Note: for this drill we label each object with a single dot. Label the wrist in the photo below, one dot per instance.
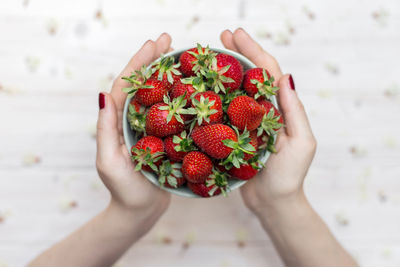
(135, 222)
(279, 206)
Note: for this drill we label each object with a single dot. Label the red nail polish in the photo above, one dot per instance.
(102, 100)
(291, 82)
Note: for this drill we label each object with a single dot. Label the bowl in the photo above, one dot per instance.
(130, 137)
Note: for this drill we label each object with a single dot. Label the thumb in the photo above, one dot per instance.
(107, 137)
(293, 112)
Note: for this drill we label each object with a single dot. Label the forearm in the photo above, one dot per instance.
(301, 237)
(100, 242)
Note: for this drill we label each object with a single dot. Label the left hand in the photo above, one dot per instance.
(131, 192)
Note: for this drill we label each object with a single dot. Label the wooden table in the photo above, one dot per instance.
(55, 56)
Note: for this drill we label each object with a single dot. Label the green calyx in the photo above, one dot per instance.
(169, 173)
(268, 143)
(137, 80)
(269, 124)
(204, 57)
(265, 88)
(183, 142)
(175, 108)
(255, 163)
(137, 120)
(215, 77)
(271, 145)
(197, 82)
(145, 157)
(166, 65)
(218, 179)
(202, 109)
(242, 146)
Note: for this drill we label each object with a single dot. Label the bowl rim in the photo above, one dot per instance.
(127, 131)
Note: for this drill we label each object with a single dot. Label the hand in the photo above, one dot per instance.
(284, 173)
(130, 190)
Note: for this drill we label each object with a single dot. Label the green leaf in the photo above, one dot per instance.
(229, 143)
(248, 147)
(178, 118)
(163, 108)
(176, 139)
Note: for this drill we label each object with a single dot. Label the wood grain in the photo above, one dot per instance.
(55, 56)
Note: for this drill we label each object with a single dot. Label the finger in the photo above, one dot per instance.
(143, 57)
(295, 117)
(163, 43)
(227, 40)
(107, 137)
(253, 51)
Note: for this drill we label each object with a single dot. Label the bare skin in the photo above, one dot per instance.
(275, 196)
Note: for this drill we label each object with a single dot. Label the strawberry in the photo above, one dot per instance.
(215, 183)
(177, 146)
(202, 189)
(254, 143)
(147, 153)
(170, 174)
(136, 116)
(194, 59)
(166, 70)
(225, 74)
(210, 139)
(147, 91)
(207, 106)
(183, 89)
(244, 172)
(151, 93)
(258, 82)
(222, 142)
(196, 167)
(165, 118)
(272, 120)
(245, 113)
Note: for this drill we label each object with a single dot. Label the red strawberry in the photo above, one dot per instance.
(210, 139)
(245, 172)
(207, 106)
(196, 167)
(272, 120)
(177, 146)
(167, 71)
(165, 118)
(245, 113)
(170, 174)
(195, 59)
(215, 183)
(147, 91)
(136, 116)
(202, 189)
(259, 83)
(147, 153)
(225, 73)
(254, 143)
(151, 93)
(182, 88)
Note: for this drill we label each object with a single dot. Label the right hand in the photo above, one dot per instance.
(284, 173)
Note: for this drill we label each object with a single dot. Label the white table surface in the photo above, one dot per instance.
(55, 56)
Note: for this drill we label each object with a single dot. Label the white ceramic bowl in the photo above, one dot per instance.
(130, 137)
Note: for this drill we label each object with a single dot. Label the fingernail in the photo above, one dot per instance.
(102, 100)
(291, 82)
